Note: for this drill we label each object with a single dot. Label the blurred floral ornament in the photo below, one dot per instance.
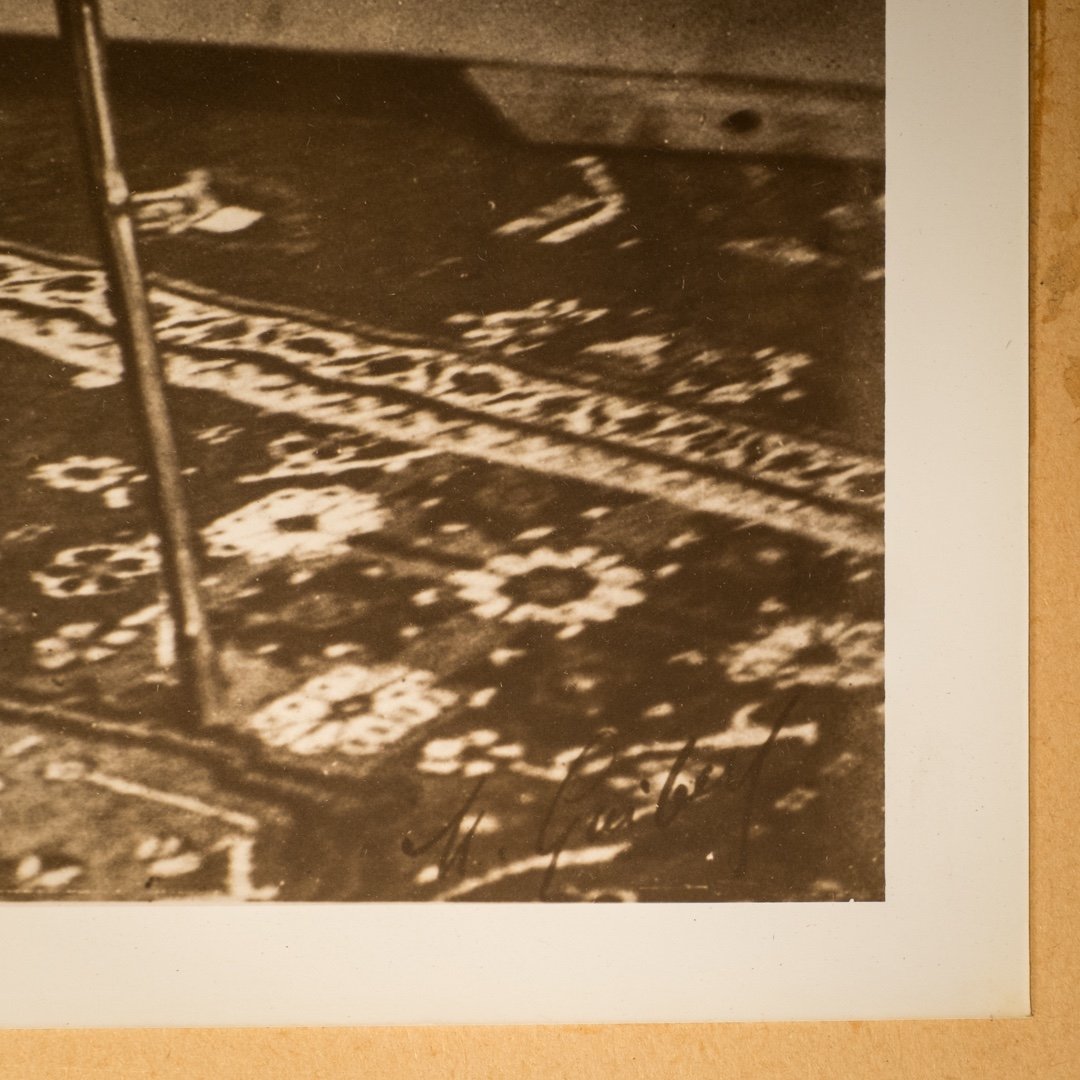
(98, 568)
(295, 523)
(810, 652)
(83, 474)
(566, 589)
(108, 475)
(473, 754)
(352, 709)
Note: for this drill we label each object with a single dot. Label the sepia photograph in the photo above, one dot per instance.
(443, 451)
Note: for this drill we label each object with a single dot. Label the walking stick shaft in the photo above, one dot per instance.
(80, 29)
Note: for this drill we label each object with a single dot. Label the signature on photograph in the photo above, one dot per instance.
(584, 809)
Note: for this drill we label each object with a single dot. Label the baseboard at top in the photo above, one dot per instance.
(554, 105)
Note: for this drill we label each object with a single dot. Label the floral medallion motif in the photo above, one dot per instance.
(352, 709)
(108, 476)
(476, 753)
(295, 523)
(98, 568)
(566, 589)
(810, 652)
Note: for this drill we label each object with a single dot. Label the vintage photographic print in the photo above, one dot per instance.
(507, 524)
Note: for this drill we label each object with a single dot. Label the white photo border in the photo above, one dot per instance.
(951, 938)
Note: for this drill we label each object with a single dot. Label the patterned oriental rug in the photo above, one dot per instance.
(540, 496)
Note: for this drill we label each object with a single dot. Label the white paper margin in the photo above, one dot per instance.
(951, 939)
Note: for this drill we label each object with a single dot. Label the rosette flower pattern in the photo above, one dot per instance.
(566, 589)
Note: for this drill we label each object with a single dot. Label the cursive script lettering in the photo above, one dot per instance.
(584, 805)
(457, 839)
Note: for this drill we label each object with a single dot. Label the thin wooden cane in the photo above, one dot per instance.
(80, 29)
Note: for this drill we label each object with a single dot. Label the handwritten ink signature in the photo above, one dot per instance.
(583, 807)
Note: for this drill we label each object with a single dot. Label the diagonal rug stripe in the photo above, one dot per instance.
(363, 380)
